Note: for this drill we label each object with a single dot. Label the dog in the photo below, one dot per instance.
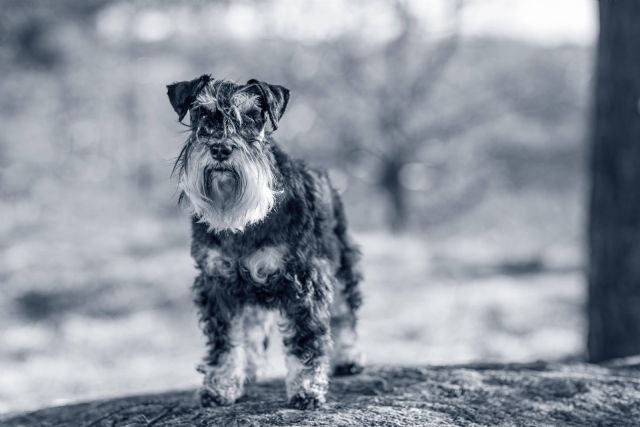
(269, 235)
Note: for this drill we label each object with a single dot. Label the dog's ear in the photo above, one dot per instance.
(274, 99)
(182, 94)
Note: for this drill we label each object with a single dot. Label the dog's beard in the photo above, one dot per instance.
(228, 196)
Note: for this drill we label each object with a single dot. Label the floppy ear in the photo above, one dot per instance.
(274, 99)
(182, 94)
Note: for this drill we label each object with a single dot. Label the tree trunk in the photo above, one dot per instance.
(398, 213)
(614, 227)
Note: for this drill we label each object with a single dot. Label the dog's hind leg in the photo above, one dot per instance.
(346, 358)
(258, 323)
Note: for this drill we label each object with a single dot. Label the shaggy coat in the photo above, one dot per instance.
(296, 259)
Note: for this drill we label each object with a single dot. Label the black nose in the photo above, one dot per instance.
(221, 151)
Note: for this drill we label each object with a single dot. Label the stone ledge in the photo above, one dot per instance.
(469, 395)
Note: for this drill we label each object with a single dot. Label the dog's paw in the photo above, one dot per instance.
(210, 398)
(220, 387)
(306, 402)
(349, 368)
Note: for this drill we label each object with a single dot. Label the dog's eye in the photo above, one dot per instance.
(211, 125)
(254, 115)
(210, 132)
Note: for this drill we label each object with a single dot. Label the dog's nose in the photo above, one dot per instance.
(221, 151)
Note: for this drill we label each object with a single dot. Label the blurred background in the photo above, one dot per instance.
(455, 131)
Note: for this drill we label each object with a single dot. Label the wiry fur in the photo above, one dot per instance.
(268, 234)
(213, 98)
(229, 199)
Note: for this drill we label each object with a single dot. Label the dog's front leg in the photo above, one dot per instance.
(224, 366)
(307, 343)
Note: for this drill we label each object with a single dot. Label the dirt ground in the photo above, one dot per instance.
(536, 394)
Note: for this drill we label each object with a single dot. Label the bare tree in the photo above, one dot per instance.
(395, 86)
(614, 226)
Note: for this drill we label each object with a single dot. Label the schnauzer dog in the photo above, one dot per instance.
(269, 234)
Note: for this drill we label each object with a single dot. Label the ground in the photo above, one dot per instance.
(536, 394)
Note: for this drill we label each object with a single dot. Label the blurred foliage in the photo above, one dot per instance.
(420, 125)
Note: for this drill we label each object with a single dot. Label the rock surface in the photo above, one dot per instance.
(470, 395)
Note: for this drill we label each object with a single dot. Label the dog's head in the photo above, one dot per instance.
(226, 167)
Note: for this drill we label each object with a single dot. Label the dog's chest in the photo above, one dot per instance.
(257, 265)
